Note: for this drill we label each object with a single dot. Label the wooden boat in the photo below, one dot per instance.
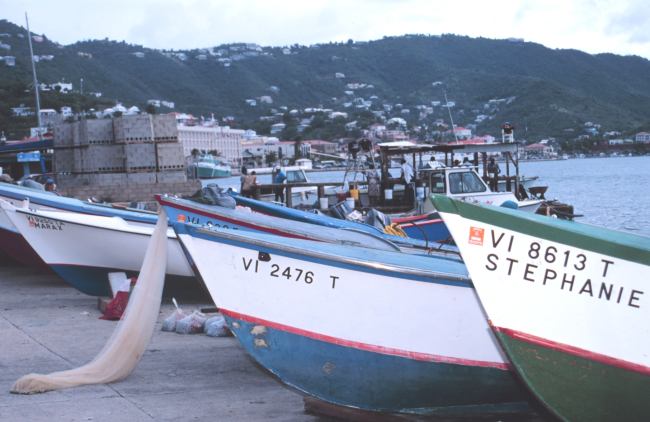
(183, 210)
(568, 303)
(358, 327)
(286, 222)
(84, 249)
(17, 247)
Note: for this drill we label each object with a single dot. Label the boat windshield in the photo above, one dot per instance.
(296, 176)
(437, 182)
(465, 182)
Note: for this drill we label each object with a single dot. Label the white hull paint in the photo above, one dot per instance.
(562, 294)
(432, 321)
(93, 241)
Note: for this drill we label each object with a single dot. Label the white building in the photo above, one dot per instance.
(139, 55)
(168, 104)
(221, 138)
(66, 111)
(156, 103)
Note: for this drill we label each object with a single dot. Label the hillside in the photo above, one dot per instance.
(553, 90)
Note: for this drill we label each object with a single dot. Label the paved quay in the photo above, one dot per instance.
(180, 377)
(48, 326)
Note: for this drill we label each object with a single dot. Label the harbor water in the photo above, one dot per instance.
(609, 192)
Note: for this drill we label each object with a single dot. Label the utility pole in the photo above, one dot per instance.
(82, 86)
(38, 101)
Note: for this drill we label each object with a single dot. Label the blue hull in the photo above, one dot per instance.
(367, 379)
(93, 281)
(434, 232)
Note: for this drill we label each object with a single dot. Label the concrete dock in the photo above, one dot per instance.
(43, 329)
(48, 326)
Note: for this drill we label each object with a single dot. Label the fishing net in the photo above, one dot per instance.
(132, 335)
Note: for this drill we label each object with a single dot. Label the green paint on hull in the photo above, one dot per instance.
(625, 246)
(578, 389)
(207, 173)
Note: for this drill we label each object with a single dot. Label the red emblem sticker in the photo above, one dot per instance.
(476, 236)
(31, 224)
(181, 218)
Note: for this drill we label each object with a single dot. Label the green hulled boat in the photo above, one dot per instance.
(568, 303)
(208, 167)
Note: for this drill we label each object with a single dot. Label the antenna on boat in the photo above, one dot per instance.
(453, 128)
(38, 100)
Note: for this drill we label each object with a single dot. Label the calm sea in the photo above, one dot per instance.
(610, 192)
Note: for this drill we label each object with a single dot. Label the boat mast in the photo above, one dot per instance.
(38, 100)
(453, 128)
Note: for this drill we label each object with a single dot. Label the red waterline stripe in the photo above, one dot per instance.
(231, 221)
(426, 223)
(364, 346)
(575, 351)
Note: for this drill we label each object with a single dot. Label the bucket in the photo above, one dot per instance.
(323, 203)
(420, 192)
(354, 193)
(388, 194)
(350, 202)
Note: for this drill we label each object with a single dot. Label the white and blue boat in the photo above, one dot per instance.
(278, 220)
(357, 327)
(15, 245)
(85, 249)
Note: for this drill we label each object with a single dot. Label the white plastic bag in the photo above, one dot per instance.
(192, 324)
(217, 327)
(170, 323)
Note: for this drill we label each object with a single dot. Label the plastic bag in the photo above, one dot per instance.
(170, 323)
(217, 327)
(192, 324)
(116, 307)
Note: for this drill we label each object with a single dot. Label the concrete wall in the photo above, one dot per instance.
(126, 158)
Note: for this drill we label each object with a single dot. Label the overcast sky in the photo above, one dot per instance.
(594, 26)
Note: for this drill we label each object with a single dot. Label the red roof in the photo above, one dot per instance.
(376, 124)
(460, 128)
(317, 142)
(536, 146)
(643, 133)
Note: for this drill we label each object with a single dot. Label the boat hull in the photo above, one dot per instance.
(562, 378)
(15, 245)
(567, 301)
(83, 253)
(213, 173)
(330, 336)
(429, 230)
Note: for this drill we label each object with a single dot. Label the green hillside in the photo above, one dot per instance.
(553, 90)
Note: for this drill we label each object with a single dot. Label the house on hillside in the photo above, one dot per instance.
(462, 132)
(139, 55)
(340, 75)
(266, 99)
(643, 137)
(278, 127)
(286, 51)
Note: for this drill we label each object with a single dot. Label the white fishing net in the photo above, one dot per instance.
(132, 335)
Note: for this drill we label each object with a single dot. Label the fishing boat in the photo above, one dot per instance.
(439, 233)
(358, 327)
(17, 247)
(309, 227)
(84, 249)
(207, 167)
(568, 303)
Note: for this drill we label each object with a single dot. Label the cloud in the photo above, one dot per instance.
(593, 26)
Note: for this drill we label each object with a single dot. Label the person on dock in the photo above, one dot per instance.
(250, 181)
(466, 163)
(373, 185)
(280, 177)
(407, 175)
(243, 177)
(50, 186)
(494, 170)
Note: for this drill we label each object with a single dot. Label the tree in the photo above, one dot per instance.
(215, 153)
(271, 158)
(195, 153)
(297, 143)
(151, 109)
